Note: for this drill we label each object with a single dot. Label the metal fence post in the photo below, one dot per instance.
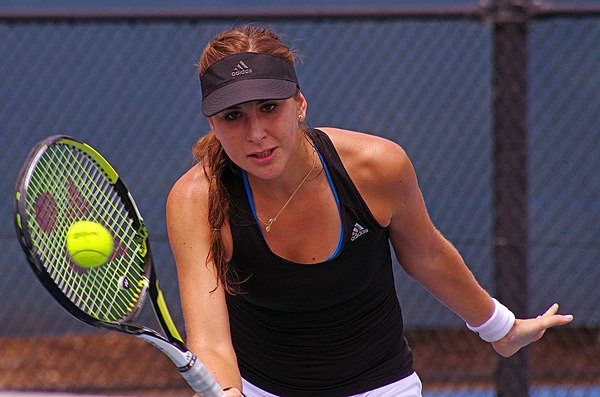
(510, 27)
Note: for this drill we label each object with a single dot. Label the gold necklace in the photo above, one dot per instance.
(272, 220)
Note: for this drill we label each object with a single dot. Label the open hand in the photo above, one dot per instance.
(530, 330)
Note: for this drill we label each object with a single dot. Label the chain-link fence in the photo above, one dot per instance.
(432, 84)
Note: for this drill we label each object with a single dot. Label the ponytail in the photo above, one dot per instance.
(209, 152)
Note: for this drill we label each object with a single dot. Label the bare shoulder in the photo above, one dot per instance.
(348, 140)
(187, 219)
(363, 154)
(379, 167)
(188, 215)
(189, 193)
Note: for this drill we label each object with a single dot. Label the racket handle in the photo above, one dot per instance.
(200, 380)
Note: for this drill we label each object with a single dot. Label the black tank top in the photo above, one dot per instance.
(322, 330)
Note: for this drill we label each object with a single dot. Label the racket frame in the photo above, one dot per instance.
(171, 343)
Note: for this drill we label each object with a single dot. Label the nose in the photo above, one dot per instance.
(255, 129)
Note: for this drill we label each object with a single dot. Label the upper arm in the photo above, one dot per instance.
(386, 179)
(412, 233)
(203, 302)
(421, 249)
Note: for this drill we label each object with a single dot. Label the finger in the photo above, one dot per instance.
(552, 310)
(552, 319)
(558, 320)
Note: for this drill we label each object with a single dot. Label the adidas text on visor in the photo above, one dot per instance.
(245, 77)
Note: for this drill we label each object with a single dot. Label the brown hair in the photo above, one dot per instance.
(208, 149)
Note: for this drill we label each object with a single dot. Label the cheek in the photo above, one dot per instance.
(289, 125)
(228, 142)
(226, 134)
(229, 148)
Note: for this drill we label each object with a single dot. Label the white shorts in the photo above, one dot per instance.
(408, 387)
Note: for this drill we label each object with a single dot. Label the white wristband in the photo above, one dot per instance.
(497, 326)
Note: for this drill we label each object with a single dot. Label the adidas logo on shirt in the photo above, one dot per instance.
(240, 69)
(358, 231)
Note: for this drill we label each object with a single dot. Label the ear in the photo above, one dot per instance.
(211, 124)
(301, 105)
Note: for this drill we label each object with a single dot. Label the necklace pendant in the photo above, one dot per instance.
(268, 225)
(272, 220)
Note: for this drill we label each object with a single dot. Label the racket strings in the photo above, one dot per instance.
(66, 186)
(79, 207)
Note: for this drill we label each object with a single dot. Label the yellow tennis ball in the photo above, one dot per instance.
(89, 243)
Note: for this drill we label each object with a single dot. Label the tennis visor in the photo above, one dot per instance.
(245, 77)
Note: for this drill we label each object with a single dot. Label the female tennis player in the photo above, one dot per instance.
(281, 237)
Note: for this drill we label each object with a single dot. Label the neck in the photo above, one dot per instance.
(305, 164)
(275, 202)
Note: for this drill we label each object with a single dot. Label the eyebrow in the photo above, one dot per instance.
(259, 102)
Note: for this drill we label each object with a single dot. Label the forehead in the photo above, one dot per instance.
(253, 104)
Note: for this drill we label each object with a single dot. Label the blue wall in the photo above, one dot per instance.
(130, 89)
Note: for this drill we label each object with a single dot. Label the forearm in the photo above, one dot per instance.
(222, 366)
(433, 262)
(451, 282)
(444, 274)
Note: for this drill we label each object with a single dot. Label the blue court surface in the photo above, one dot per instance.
(555, 391)
(546, 391)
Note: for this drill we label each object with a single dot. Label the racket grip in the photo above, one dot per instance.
(200, 380)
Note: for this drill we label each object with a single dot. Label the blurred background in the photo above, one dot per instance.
(496, 102)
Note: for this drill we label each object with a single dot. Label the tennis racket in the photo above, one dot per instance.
(64, 181)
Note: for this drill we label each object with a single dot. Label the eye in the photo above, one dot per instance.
(268, 107)
(231, 116)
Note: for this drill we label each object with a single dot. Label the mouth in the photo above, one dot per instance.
(262, 155)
